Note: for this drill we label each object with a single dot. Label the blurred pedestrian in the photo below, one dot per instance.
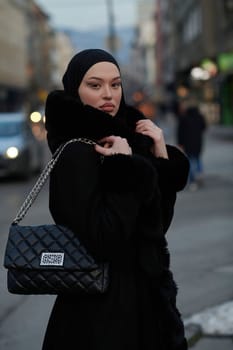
(190, 134)
(118, 197)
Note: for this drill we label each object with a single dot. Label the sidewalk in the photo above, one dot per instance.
(212, 329)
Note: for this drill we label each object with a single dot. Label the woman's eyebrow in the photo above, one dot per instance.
(98, 78)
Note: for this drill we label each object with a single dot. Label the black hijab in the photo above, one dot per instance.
(79, 65)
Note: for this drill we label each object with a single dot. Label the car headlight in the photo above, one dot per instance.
(12, 152)
(36, 117)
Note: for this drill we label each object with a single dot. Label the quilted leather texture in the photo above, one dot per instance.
(78, 272)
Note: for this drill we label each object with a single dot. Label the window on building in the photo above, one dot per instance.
(193, 25)
(228, 4)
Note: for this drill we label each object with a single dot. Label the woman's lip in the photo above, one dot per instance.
(107, 107)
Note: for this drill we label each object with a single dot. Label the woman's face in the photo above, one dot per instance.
(101, 87)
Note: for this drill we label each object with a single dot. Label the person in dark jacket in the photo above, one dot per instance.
(118, 196)
(190, 132)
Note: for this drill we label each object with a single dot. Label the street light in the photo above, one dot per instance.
(111, 39)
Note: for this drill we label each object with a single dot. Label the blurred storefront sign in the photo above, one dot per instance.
(211, 80)
(210, 66)
(225, 64)
(225, 61)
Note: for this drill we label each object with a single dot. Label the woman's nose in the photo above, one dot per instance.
(107, 92)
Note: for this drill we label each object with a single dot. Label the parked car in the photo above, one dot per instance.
(20, 152)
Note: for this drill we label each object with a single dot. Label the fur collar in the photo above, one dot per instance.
(66, 119)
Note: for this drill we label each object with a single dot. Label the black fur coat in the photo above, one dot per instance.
(121, 208)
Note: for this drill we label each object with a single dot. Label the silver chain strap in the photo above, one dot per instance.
(43, 177)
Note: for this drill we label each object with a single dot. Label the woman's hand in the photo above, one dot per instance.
(113, 145)
(147, 127)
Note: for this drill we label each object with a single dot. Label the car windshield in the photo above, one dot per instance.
(9, 128)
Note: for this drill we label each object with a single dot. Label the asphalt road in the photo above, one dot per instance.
(200, 240)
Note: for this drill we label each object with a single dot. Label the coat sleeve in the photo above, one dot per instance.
(173, 172)
(172, 178)
(100, 201)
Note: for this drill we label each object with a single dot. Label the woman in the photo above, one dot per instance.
(118, 196)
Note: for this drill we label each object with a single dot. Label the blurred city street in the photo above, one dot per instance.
(173, 55)
(200, 240)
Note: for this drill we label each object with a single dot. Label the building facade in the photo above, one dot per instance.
(13, 58)
(25, 65)
(204, 54)
(39, 46)
(61, 53)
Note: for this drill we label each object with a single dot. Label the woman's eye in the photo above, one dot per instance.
(116, 85)
(94, 85)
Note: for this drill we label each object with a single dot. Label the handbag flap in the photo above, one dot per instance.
(48, 247)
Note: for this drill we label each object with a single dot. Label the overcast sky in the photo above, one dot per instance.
(89, 14)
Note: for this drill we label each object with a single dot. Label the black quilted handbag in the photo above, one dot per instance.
(49, 259)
